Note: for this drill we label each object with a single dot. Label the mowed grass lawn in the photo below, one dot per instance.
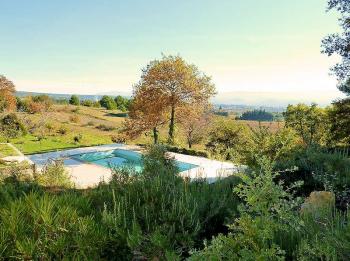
(6, 150)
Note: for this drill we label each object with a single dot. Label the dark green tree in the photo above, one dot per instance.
(339, 118)
(339, 43)
(11, 127)
(108, 103)
(74, 100)
(310, 122)
(257, 115)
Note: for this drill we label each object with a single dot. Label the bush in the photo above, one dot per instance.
(78, 138)
(43, 227)
(108, 103)
(156, 214)
(105, 127)
(118, 138)
(74, 100)
(74, 118)
(62, 130)
(87, 103)
(320, 170)
(54, 174)
(228, 140)
(11, 126)
(267, 211)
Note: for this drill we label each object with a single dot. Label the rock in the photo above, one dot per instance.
(319, 203)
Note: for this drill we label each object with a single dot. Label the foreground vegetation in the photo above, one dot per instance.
(158, 215)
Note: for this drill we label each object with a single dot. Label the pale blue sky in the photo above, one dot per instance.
(86, 46)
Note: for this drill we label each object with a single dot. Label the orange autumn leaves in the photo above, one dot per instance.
(7, 94)
(169, 91)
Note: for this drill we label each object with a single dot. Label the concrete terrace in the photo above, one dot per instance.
(85, 174)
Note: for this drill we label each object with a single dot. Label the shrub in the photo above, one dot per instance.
(49, 127)
(320, 170)
(87, 103)
(267, 211)
(105, 127)
(74, 118)
(108, 103)
(78, 138)
(11, 126)
(118, 138)
(157, 215)
(90, 123)
(74, 100)
(54, 174)
(228, 140)
(40, 226)
(62, 130)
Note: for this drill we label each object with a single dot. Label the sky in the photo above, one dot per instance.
(89, 47)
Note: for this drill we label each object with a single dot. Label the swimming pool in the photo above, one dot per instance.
(120, 157)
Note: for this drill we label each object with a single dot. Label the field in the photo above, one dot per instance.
(61, 127)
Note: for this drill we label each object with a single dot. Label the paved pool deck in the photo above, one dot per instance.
(86, 174)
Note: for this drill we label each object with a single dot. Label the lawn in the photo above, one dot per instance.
(30, 144)
(6, 150)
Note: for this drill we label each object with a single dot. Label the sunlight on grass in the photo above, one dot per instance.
(6, 150)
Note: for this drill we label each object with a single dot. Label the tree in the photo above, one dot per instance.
(122, 103)
(7, 94)
(180, 83)
(74, 100)
(257, 115)
(340, 122)
(195, 122)
(228, 140)
(11, 126)
(147, 112)
(310, 122)
(108, 103)
(339, 43)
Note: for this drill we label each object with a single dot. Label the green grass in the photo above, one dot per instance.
(6, 150)
(30, 144)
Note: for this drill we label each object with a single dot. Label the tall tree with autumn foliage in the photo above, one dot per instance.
(7, 94)
(147, 112)
(179, 84)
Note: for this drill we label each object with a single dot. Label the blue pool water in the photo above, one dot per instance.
(119, 158)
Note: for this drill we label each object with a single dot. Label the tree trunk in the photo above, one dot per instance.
(172, 125)
(155, 135)
(189, 144)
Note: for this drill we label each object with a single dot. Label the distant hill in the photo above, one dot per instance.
(277, 99)
(238, 101)
(240, 108)
(62, 96)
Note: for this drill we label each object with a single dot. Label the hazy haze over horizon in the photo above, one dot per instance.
(89, 47)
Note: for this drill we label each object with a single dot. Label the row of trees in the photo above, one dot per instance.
(170, 91)
(108, 102)
(257, 115)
